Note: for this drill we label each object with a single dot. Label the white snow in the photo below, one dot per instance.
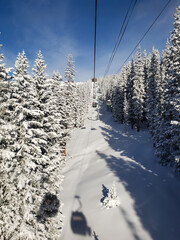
(175, 123)
(7, 155)
(101, 153)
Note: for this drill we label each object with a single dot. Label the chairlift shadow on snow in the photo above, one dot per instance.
(79, 222)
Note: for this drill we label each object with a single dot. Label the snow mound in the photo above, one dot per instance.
(110, 198)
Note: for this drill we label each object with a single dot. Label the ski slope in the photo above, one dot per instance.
(103, 152)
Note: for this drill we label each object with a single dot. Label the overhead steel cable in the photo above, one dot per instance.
(121, 34)
(94, 80)
(145, 34)
(110, 60)
(95, 38)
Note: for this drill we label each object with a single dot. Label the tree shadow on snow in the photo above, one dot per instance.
(105, 192)
(49, 207)
(157, 215)
(138, 173)
(130, 224)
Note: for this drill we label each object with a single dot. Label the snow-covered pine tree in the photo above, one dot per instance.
(13, 163)
(125, 110)
(38, 177)
(5, 85)
(70, 69)
(168, 147)
(174, 92)
(138, 90)
(111, 200)
(58, 103)
(112, 83)
(83, 92)
(57, 76)
(118, 96)
(146, 64)
(21, 65)
(30, 173)
(3, 71)
(107, 85)
(52, 99)
(129, 95)
(60, 90)
(161, 136)
(116, 99)
(7, 132)
(78, 108)
(103, 85)
(49, 100)
(85, 89)
(73, 97)
(165, 64)
(39, 74)
(73, 111)
(153, 97)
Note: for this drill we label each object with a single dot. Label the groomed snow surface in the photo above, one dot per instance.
(103, 152)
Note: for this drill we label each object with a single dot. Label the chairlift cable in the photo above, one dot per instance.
(121, 34)
(145, 34)
(115, 47)
(94, 77)
(95, 38)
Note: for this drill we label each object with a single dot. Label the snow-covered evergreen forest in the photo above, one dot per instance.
(146, 94)
(37, 114)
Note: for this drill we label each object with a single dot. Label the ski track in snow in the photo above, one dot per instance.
(103, 152)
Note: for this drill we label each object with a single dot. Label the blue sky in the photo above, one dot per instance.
(60, 27)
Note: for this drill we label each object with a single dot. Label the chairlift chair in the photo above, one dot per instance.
(94, 79)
